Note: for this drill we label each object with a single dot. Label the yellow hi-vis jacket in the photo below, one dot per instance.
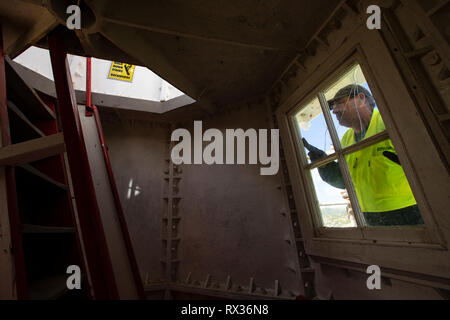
(380, 184)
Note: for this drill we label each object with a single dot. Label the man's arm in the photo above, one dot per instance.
(332, 175)
(329, 173)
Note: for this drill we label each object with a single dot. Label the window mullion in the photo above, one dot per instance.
(321, 162)
(351, 191)
(329, 121)
(379, 137)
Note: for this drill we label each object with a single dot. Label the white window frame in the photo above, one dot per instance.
(338, 155)
(374, 245)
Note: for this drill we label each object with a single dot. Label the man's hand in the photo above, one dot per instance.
(350, 214)
(314, 153)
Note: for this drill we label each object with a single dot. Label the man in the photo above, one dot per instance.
(380, 182)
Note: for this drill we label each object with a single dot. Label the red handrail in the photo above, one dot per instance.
(98, 258)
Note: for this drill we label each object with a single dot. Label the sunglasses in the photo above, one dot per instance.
(339, 101)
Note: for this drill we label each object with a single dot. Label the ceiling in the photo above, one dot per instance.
(217, 52)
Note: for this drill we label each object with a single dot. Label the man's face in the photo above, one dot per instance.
(347, 109)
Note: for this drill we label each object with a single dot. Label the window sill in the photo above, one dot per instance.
(383, 243)
(401, 236)
(411, 277)
(414, 257)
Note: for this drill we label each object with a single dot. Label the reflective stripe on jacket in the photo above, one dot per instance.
(380, 184)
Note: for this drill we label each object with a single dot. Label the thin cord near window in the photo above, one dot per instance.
(354, 102)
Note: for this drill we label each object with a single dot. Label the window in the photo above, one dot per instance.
(354, 172)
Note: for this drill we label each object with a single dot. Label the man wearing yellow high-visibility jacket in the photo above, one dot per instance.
(383, 191)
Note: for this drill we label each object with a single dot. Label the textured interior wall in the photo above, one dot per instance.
(230, 217)
(137, 153)
(343, 284)
(231, 221)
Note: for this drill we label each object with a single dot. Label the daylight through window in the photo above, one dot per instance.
(356, 174)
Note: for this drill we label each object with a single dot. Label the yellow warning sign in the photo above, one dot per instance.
(121, 71)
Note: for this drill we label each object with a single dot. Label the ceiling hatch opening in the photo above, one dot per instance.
(114, 84)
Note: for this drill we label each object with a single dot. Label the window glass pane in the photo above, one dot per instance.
(353, 108)
(382, 188)
(335, 207)
(313, 128)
